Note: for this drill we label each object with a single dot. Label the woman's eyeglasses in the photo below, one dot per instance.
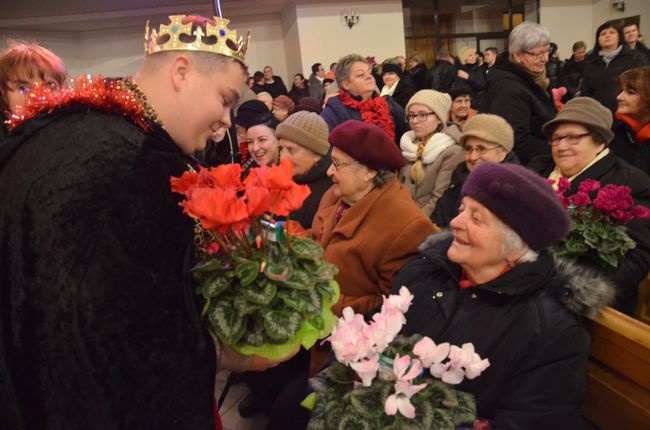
(571, 139)
(421, 116)
(538, 55)
(480, 150)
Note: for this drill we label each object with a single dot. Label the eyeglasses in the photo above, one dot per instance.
(421, 116)
(480, 150)
(338, 165)
(538, 55)
(571, 139)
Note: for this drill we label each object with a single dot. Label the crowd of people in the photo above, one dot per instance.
(435, 179)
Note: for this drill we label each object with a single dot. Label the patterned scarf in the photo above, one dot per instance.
(373, 111)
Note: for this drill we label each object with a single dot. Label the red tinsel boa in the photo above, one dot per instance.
(373, 111)
(641, 131)
(93, 92)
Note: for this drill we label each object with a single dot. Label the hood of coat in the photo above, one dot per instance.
(582, 289)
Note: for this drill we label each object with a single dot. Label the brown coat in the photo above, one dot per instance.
(437, 177)
(372, 240)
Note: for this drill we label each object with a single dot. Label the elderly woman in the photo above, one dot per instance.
(579, 136)
(486, 138)
(632, 126)
(21, 66)
(282, 107)
(303, 140)
(517, 89)
(610, 57)
(431, 152)
(492, 283)
(367, 222)
(357, 99)
(401, 90)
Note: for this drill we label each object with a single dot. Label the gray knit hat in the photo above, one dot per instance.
(306, 129)
(491, 128)
(438, 102)
(586, 111)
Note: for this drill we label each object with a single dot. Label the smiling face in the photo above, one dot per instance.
(205, 101)
(608, 39)
(573, 148)
(533, 60)
(303, 159)
(262, 145)
(460, 108)
(360, 81)
(632, 104)
(479, 151)
(352, 181)
(478, 238)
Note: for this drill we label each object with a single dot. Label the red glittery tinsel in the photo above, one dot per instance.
(92, 92)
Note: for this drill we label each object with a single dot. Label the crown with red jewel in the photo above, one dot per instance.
(194, 33)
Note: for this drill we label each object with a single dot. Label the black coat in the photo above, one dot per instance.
(403, 92)
(600, 80)
(296, 94)
(636, 264)
(318, 183)
(628, 148)
(520, 321)
(99, 325)
(441, 76)
(554, 73)
(512, 94)
(572, 72)
(419, 75)
(476, 80)
(277, 88)
(448, 204)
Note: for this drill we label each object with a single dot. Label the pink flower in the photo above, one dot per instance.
(401, 302)
(613, 197)
(401, 367)
(401, 400)
(367, 369)
(640, 211)
(381, 332)
(429, 352)
(588, 185)
(347, 339)
(580, 199)
(464, 362)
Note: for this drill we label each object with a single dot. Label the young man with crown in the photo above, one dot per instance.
(99, 326)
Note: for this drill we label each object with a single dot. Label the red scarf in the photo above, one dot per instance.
(641, 131)
(465, 282)
(373, 111)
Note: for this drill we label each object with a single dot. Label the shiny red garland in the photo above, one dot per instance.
(373, 111)
(94, 92)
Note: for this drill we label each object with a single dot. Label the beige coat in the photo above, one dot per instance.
(437, 177)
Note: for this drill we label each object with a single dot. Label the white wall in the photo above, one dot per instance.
(324, 37)
(292, 44)
(603, 12)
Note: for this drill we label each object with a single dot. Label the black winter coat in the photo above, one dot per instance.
(572, 72)
(512, 94)
(600, 80)
(448, 204)
(627, 147)
(99, 324)
(523, 322)
(636, 264)
(403, 92)
(419, 75)
(277, 88)
(441, 76)
(554, 73)
(318, 183)
(476, 80)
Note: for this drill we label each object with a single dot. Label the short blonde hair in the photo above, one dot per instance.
(465, 52)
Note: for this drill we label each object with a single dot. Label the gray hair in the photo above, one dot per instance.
(512, 242)
(527, 36)
(344, 65)
(383, 176)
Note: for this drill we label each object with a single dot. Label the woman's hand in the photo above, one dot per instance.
(463, 74)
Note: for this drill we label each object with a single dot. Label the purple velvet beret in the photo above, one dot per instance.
(522, 200)
(367, 144)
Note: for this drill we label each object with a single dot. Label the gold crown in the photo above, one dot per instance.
(178, 36)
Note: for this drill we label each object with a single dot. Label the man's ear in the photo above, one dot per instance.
(180, 68)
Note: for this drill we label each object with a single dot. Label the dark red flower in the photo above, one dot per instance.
(640, 211)
(613, 197)
(588, 185)
(580, 199)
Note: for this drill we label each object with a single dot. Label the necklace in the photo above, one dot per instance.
(147, 110)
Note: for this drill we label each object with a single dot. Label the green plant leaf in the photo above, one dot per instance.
(305, 302)
(247, 272)
(280, 325)
(333, 414)
(340, 373)
(299, 280)
(228, 324)
(261, 293)
(365, 400)
(214, 285)
(278, 271)
(353, 421)
(316, 321)
(306, 249)
(243, 305)
(465, 412)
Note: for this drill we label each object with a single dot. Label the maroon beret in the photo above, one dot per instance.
(367, 144)
(522, 200)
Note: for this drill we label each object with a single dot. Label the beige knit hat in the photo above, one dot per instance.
(306, 129)
(438, 102)
(490, 128)
(586, 111)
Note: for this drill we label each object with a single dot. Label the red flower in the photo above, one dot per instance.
(612, 197)
(287, 196)
(185, 182)
(258, 201)
(588, 185)
(294, 228)
(580, 199)
(216, 208)
(292, 199)
(641, 212)
(227, 175)
(563, 184)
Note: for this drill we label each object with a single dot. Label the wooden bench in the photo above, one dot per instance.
(618, 383)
